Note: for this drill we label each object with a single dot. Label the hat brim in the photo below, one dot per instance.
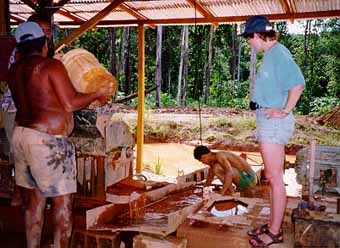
(244, 34)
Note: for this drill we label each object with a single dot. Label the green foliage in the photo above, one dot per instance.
(158, 166)
(316, 54)
(167, 100)
(322, 105)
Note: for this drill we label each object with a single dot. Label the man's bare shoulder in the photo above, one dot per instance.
(54, 64)
(225, 154)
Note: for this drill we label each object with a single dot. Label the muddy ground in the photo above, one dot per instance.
(219, 128)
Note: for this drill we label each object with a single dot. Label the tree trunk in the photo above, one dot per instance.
(158, 74)
(180, 72)
(123, 37)
(252, 75)
(169, 62)
(185, 65)
(234, 53)
(127, 81)
(208, 67)
(113, 58)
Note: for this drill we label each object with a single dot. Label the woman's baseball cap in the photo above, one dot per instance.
(27, 31)
(256, 24)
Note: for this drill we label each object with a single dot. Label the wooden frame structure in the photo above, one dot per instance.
(86, 14)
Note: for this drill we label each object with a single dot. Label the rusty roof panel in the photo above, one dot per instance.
(243, 8)
(313, 6)
(179, 11)
(58, 17)
(164, 9)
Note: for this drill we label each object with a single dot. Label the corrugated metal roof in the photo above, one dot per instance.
(169, 12)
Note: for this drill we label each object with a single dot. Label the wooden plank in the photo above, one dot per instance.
(311, 171)
(212, 236)
(148, 241)
(89, 24)
(165, 218)
(100, 182)
(258, 211)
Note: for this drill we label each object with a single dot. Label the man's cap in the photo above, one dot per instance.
(27, 31)
(256, 24)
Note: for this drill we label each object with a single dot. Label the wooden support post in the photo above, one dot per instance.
(140, 121)
(101, 176)
(311, 170)
(84, 186)
(93, 177)
(4, 18)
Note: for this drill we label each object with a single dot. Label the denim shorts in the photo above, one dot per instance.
(275, 130)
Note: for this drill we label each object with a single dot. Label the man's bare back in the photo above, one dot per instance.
(227, 166)
(35, 74)
(48, 84)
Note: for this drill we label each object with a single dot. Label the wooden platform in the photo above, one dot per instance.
(199, 235)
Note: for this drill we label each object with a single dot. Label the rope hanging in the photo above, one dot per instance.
(196, 76)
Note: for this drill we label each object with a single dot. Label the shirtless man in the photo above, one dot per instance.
(228, 167)
(44, 157)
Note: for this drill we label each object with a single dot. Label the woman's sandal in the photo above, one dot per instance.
(276, 239)
(258, 230)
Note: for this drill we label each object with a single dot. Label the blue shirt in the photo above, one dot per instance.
(277, 74)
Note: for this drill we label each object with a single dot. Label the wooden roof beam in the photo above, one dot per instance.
(70, 15)
(60, 4)
(287, 7)
(17, 19)
(89, 24)
(31, 4)
(133, 12)
(203, 11)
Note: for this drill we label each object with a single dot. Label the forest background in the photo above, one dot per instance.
(212, 64)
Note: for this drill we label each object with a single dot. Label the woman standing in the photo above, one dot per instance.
(278, 86)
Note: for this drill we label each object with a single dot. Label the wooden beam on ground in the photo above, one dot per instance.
(89, 24)
(141, 89)
(134, 95)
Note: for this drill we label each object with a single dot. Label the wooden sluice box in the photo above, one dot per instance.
(158, 211)
(318, 170)
(224, 221)
(316, 228)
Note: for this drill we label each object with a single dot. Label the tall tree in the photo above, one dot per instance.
(186, 66)
(127, 72)
(113, 58)
(180, 72)
(234, 53)
(158, 74)
(208, 65)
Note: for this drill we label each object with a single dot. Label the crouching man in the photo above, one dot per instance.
(228, 167)
(45, 163)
